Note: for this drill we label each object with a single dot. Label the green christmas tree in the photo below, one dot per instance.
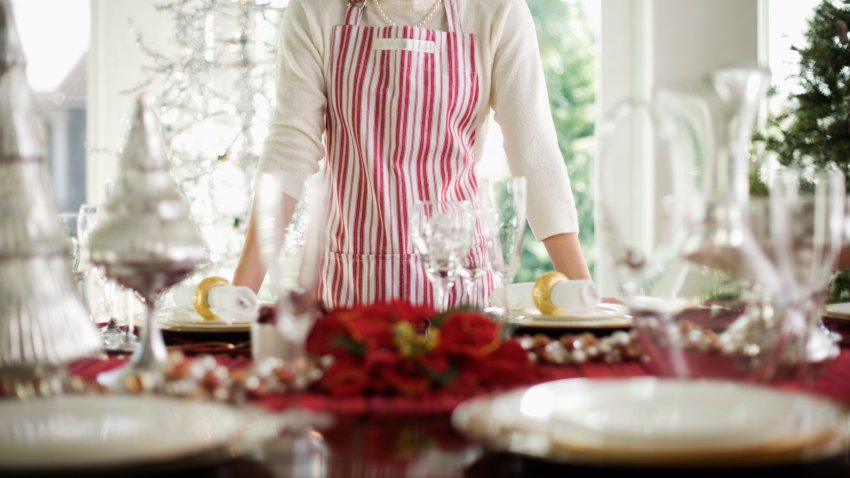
(814, 130)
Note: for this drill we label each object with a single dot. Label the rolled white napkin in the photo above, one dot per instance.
(227, 302)
(572, 295)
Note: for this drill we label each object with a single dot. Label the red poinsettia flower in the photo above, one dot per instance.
(469, 334)
(397, 349)
(507, 366)
(345, 378)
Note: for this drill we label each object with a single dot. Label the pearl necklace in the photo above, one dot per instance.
(421, 23)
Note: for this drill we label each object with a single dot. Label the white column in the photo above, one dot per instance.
(115, 65)
(59, 153)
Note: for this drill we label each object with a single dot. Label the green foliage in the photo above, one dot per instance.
(568, 50)
(814, 130)
(816, 126)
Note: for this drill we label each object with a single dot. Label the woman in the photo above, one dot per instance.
(395, 95)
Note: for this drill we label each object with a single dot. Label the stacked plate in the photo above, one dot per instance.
(603, 316)
(176, 319)
(656, 422)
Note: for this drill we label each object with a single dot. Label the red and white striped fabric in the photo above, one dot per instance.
(402, 102)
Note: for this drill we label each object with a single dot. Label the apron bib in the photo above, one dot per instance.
(401, 113)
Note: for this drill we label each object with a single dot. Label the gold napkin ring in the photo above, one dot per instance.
(202, 292)
(542, 293)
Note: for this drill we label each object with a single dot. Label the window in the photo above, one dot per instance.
(786, 27)
(57, 70)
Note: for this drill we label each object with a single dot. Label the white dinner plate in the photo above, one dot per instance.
(102, 431)
(604, 316)
(175, 319)
(651, 421)
(838, 311)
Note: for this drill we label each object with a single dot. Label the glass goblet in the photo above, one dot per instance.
(69, 222)
(480, 262)
(811, 203)
(292, 249)
(508, 198)
(442, 234)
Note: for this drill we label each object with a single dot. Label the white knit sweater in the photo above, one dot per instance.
(511, 83)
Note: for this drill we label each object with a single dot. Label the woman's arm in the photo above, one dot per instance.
(294, 143)
(520, 101)
(566, 254)
(251, 269)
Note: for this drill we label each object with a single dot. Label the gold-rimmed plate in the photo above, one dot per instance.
(657, 422)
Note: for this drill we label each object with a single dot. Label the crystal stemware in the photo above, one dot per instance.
(86, 221)
(293, 250)
(811, 203)
(507, 197)
(480, 261)
(114, 338)
(69, 222)
(680, 269)
(442, 234)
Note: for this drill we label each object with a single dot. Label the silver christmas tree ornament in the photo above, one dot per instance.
(147, 241)
(43, 322)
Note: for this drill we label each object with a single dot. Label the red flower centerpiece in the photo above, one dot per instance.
(401, 349)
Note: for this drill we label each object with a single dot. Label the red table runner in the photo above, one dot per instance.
(833, 381)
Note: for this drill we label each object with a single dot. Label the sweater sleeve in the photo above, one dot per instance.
(294, 142)
(521, 105)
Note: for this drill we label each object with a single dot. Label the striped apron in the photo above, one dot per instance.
(402, 105)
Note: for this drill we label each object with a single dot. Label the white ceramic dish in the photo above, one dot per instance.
(103, 431)
(174, 319)
(650, 421)
(838, 311)
(604, 316)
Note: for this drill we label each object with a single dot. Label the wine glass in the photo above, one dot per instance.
(507, 197)
(480, 261)
(69, 223)
(442, 233)
(292, 245)
(114, 338)
(87, 219)
(811, 205)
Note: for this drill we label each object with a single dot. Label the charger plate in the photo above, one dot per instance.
(103, 431)
(656, 422)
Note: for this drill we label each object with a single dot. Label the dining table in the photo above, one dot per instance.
(379, 436)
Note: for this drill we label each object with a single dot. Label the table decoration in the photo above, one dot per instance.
(43, 322)
(147, 241)
(401, 349)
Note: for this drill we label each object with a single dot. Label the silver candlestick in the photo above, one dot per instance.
(147, 241)
(43, 322)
